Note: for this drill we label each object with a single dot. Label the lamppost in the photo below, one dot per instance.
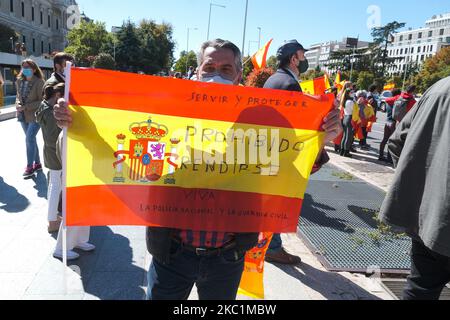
(245, 26)
(187, 48)
(259, 39)
(209, 20)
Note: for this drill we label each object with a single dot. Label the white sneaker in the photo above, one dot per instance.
(71, 255)
(87, 247)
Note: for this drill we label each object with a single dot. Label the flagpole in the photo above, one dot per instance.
(68, 75)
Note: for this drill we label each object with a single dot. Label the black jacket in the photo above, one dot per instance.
(283, 80)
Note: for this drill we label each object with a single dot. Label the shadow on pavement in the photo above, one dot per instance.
(41, 184)
(10, 199)
(110, 272)
(332, 286)
(314, 213)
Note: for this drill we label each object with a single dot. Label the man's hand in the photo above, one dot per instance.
(332, 126)
(62, 114)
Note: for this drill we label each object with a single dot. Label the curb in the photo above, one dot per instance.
(7, 113)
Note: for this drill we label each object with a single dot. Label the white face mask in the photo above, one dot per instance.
(216, 79)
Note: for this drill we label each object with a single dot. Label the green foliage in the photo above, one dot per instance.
(272, 62)
(185, 61)
(248, 68)
(311, 74)
(104, 61)
(257, 78)
(5, 38)
(433, 70)
(148, 47)
(87, 40)
(365, 80)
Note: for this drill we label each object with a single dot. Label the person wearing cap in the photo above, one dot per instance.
(292, 62)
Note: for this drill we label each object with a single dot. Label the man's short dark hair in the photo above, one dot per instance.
(60, 57)
(396, 92)
(411, 89)
(221, 44)
(373, 87)
(286, 60)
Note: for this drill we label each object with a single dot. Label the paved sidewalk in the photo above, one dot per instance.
(117, 269)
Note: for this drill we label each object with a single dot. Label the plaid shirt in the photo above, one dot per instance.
(203, 239)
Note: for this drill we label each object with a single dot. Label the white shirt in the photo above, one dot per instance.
(348, 110)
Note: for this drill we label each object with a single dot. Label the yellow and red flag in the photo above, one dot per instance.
(259, 59)
(389, 86)
(317, 86)
(153, 151)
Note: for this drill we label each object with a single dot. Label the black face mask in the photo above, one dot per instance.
(303, 66)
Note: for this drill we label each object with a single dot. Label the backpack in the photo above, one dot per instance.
(400, 109)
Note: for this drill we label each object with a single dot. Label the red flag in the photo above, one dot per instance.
(259, 59)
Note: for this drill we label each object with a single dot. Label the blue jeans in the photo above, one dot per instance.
(217, 278)
(31, 130)
(276, 244)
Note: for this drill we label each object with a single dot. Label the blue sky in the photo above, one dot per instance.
(310, 21)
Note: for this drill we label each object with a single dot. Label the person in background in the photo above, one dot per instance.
(292, 62)
(390, 126)
(59, 65)
(178, 75)
(50, 133)
(418, 202)
(364, 116)
(190, 73)
(372, 97)
(348, 105)
(29, 84)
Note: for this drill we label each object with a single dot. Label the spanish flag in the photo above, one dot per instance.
(389, 86)
(162, 152)
(317, 86)
(259, 59)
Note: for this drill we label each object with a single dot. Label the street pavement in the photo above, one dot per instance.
(117, 269)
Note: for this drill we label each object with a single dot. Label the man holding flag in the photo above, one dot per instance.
(214, 261)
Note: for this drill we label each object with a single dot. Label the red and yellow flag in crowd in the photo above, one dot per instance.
(317, 86)
(259, 59)
(153, 151)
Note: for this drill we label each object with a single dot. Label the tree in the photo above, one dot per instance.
(88, 39)
(433, 70)
(104, 61)
(128, 48)
(382, 36)
(6, 33)
(247, 68)
(312, 74)
(257, 78)
(157, 46)
(365, 80)
(185, 61)
(272, 62)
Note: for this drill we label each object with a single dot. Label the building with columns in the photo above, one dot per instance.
(42, 24)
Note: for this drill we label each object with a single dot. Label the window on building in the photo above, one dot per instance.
(401, 51)
(406, 51)
(11, 5)
(419, 35)
(410, 37)
(32, 13)
(34, 45)
(401, 38)
(418, 49)
(447, 40)
(424, 48)
(24, 39)
(42, 47)
(49, 21)
(441, 32)
(430, 33)
(23, 9)
(431, 48)
(50, 48)
(412, 50)
(57, 24)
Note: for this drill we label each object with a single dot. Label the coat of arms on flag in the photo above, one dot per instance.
(147, 154)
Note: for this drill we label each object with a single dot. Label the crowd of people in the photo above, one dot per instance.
(182, 258)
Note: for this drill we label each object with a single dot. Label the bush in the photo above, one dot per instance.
(257, 78)
(104, 61)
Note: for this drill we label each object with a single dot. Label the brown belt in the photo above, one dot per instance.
(206, 252)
